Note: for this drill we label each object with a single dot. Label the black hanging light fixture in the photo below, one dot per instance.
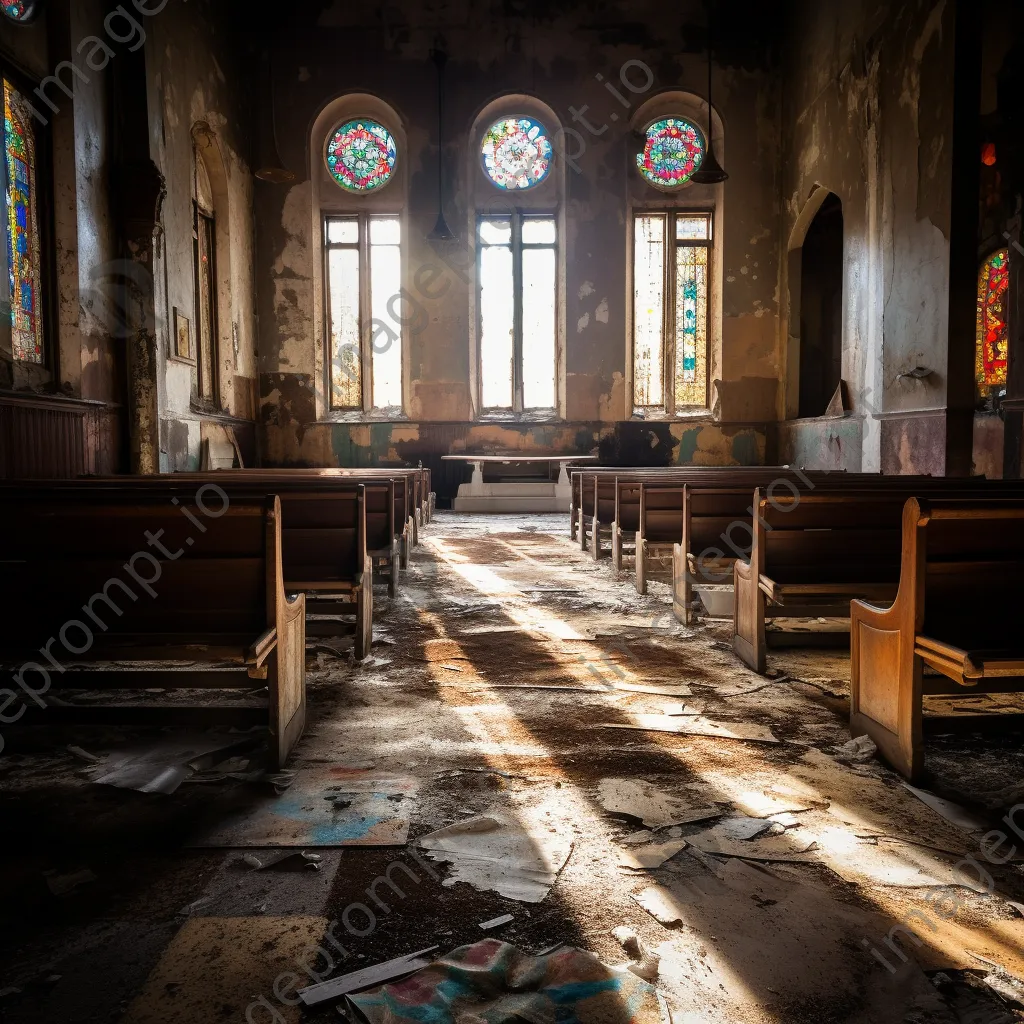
(710, 171)
(269, 165)
(441, 231)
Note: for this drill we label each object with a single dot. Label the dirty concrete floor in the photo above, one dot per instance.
(489, 607)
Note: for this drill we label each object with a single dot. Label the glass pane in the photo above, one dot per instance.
(993, 341)
(385, 231)
(342, 232)
(693, 226)
(496, 232)
(691, 325)
(496, 326)
(24, 252)
(343, 304)
(538, 230)
(386, 328)
(539, 328)
(648, 310)
(206, 325)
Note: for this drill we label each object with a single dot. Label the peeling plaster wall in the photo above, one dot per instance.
(554, 53)
(867, 114)
(197, 75)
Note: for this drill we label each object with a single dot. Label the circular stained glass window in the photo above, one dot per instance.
(361, 155)
(517, 153)
(19, 10)
(673, 150)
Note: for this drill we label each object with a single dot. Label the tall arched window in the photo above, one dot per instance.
(518, 231)
(359, 173)
(675, 225)
(204, 255)
(993, 336)
(24, 248)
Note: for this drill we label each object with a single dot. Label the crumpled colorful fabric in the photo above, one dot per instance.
(491, 982)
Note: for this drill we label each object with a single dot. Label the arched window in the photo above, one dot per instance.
(204, 254)
(360, 200)
(518, 232)
(23, 250)
(675, 260)
(993, 336)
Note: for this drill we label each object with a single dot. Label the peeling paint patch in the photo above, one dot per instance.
(601, 314)
(583, 323)
(586, 289)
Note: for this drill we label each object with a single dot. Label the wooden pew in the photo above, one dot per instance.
(959, 605)
(183, 596)
(813, 554)
(325, 530)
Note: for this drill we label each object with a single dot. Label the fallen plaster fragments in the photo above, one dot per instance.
(493, 852)
(646, 963)
(645, 858)
(722, 841)
(960, 816)
(496, 922)
(366, 977)
(695, 727)
(655, 808)
(859, 750)
(283, 860)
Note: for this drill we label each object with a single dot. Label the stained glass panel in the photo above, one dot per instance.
(993, 327)
(691, 325)
(673, 150)
(516, 153)
(361, 156)
(648, 309)
(19, 10)
(23, 254)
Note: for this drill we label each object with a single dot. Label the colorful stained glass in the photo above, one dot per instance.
(691, 325)
(673, 150)
(23, 256)
(517, 153)
(19, 10)
(361, 156)
(993, 337)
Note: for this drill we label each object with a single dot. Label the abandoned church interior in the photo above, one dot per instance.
(512, 512)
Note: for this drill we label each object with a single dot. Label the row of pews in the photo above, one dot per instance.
(195, 581)
(928, 571)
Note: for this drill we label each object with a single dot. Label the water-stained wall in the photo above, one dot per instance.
(566, 55)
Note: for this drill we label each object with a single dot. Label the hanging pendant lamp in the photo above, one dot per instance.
(441, 231)
(710, 171)
(269, 165)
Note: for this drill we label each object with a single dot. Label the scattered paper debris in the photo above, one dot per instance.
(958, 815)
(283, 860)
(638, 838)
(696, 726)
(83, 755)
(65, 884)
(643, 858)
(366, 977)
(858, 750)
(647, 963)
(742, 829)
(719, 842)
(654, 807)
(496, 922)
(495, 852)
(164, 766)
(661, 905)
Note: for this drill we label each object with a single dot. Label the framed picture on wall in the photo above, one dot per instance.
(182, 336)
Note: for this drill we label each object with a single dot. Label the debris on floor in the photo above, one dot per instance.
(365, 977)
(493, 981)
(332, 806)
(653, 806)
(496, 922)
(65, 884)
(859, 750)
(644, 858)
(646, 962)
(695, 727)
(969, 821)
(283, 860)
(495, 851)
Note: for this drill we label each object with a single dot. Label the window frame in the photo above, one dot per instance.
(516, 216)
(45, 183)
(364, 248)
(201, 220)
(669, 335)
